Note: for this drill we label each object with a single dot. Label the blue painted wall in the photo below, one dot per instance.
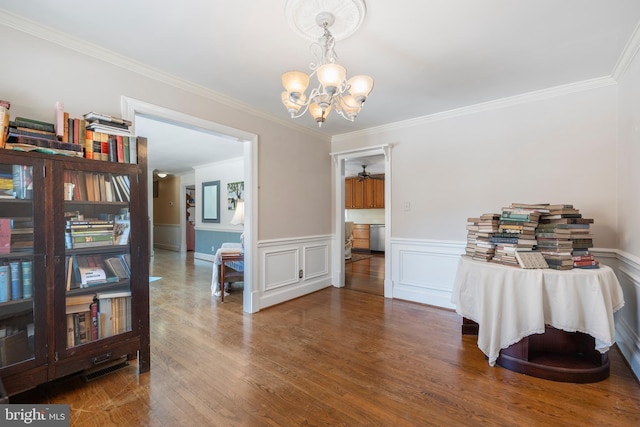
(205, 239)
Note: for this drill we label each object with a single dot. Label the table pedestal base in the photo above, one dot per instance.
(555, 355)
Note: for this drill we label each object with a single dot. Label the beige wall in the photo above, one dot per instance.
(294, 193)
(166, 207)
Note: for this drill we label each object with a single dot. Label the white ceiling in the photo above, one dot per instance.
(425, 56)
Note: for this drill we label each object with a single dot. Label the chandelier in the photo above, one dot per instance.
(333, 91)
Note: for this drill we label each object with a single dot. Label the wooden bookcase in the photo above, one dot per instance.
(63, 325)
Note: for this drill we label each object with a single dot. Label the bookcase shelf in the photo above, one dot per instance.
(87, 301)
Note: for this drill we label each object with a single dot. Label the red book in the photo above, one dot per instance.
(104, 149)
(120, 148)
(585, 263)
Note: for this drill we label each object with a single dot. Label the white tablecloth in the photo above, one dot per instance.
(510, 303)
(217, 260)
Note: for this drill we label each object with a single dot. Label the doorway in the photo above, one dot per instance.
(190, 206)
(368, 270)
(132, 109)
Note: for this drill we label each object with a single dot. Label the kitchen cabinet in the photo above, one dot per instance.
(364, 194)
(361, 236)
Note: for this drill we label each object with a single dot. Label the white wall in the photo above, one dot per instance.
(628, 318)
(554, 149)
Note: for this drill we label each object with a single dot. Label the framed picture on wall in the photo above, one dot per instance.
(235, 192)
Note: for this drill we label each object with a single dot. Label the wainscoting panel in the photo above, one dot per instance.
(316, 261)
(628, 317)
(280, 268)
(424, 271)
(292, 267)
(166, 236)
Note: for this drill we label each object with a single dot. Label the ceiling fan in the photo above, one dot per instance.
(367, 175)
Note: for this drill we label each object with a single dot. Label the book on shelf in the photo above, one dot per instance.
(27, 279)
(4, 124)
(15, 269)
(118, 267)
(6, 185)
(114, 312)
(34, 124)
(5, 283)
(22, 181)
(5, 235)
(90, 275)
(109, 130)
(105, 118)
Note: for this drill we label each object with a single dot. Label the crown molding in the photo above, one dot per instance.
(628, 54)
(98, 52)
(483, 107)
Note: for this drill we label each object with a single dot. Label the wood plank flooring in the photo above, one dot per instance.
(366, 275)
(335, 358)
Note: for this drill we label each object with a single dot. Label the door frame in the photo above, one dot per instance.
(339, 215)
(130, 107)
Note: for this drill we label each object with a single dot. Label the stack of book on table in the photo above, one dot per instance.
(557, 231)
(516, 231)
(564, 238)
(479, 231)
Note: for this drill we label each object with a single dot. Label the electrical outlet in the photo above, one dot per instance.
(300, 274)
(407, 206)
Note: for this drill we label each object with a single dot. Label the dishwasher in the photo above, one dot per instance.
(376, 237)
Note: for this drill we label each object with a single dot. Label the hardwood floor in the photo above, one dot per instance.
(335, 357)
(366, 275)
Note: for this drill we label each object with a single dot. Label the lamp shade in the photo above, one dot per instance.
(238, 216)
(295, 82)
(350, 106)
(318, 113)
(291, 106)
(360, 87)
(331, 76)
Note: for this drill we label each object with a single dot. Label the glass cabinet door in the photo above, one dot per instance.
(97, 274)
(17, 262)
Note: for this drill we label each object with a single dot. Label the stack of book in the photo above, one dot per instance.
(516, 232)
(108, 138)
(25, 133)
(568, 238)
(472, 231)
(88, 232)
(486, 225)
(21, 234)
